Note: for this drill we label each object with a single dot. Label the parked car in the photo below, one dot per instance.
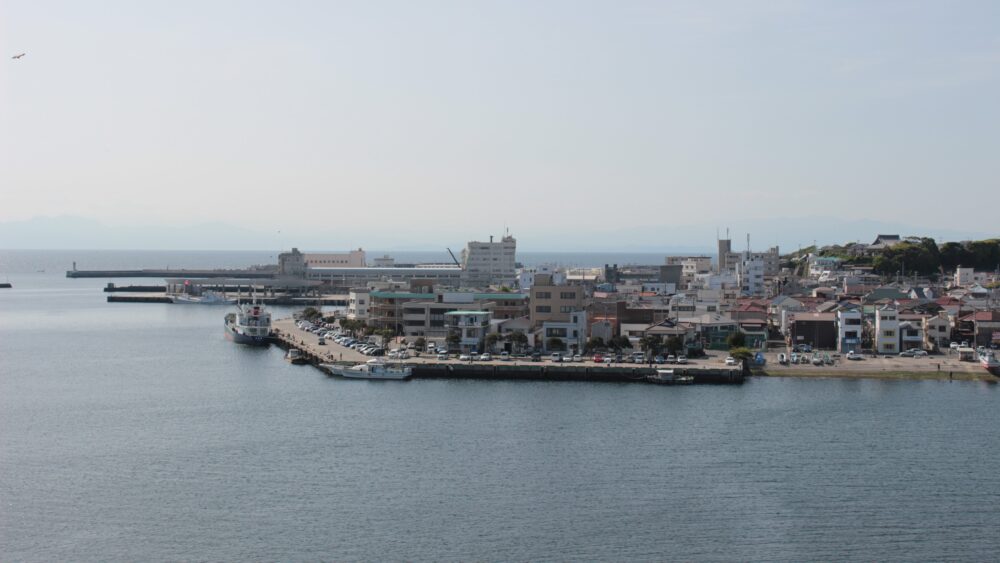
(536, 357)
(914, 353)
(577, 358)
(658, 359)
(671, 359)
(730, 361)
(852, 355)
(442, 356)
(486, 357)
(556, 357)
(638, 357)
(598, 358)
(504, 356)
(465, 357)
(682, 359)
(322, 341)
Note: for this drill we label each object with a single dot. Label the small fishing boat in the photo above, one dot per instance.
(372, 369)
(295, 356)
(669, 377)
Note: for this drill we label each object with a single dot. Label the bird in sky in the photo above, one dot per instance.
(18, 56)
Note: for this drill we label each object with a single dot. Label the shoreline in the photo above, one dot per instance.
(898, 375)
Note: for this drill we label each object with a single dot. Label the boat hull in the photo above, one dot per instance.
(347, 372)
(239, 338)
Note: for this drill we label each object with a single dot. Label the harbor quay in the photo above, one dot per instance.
(288, 335)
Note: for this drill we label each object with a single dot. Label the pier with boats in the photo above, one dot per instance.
(327, 357)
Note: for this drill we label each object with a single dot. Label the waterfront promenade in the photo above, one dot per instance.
(941, 367)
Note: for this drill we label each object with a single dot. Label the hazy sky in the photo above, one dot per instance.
(453, 119)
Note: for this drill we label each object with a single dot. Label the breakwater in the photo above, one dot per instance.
(168, 273)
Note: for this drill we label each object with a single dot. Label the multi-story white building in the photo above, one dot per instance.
(526, 276)
(887, 330)
(471, 327)
(572, 334)
(729, 260)
(489, 263)
(691, 266)
(750, 274)
(357, 304)
(849, 329)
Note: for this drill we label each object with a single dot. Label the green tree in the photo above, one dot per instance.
(620, 342)
(311, 313)
(518, 339)
(491, 341)
(453, 339)
(595, 344)
(555, 344)
(741, 353)
(420, 343)
(736, 340)
(651, 344)
(674, 344)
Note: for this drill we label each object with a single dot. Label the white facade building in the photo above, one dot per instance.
(471, 327)
(750, 274)
(357, 304)
(572, 333)
(526, 276)
(887, 330)
(489, 263)
(849, 329)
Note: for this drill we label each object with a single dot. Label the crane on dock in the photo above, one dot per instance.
(453, 257)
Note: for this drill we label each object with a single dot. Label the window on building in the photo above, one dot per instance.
(543, 295)
(565, 309)
(567, 295)
(889, 333)
(543, 309)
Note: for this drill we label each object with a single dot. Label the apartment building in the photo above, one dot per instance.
(553, 302)
(489, 263)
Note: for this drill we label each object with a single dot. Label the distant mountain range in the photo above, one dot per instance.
(70, 232)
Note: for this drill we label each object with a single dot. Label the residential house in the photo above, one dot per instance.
(937, 331)
(886, 330)
(911, 332)
(850, 329)
(471, 328)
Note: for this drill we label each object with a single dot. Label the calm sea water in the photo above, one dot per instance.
(136, 432)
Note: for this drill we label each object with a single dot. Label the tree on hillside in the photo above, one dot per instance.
(909, 258)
